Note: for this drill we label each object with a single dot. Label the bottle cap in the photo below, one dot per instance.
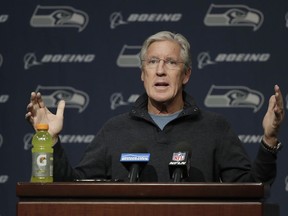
(42, 126)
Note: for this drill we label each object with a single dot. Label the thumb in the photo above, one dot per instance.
(272, 102)
(60, 108)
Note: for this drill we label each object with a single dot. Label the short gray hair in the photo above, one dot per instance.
(167, 35)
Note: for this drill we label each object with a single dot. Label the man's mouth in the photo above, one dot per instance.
(161, 84)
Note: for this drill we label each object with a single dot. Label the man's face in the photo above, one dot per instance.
(163, 82)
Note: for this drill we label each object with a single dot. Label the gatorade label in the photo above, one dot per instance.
(42, 164)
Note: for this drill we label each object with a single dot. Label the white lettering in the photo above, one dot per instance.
(46, 58)
(136, 158)
(250, 138)
(56, 58)
(154, 17)
(67, 58)
(242, 57)
(177, 163)
(220, 57)
(77, 138)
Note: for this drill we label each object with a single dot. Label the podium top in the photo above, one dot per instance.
(141, 190)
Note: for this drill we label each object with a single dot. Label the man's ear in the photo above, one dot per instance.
(142, 75)
(187, 74)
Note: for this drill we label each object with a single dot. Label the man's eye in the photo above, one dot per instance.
(171, 62)
(152, 61)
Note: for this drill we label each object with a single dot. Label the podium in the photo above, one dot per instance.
(139, 199)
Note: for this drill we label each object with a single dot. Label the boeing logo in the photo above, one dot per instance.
(3, 179)
(116, 18)
(250, 138)
(3, 18)
(65, 138)
(59, 16)
(129, 56)
(4, 98)
(233, 15)
(204, 58)
(234, 97)
(117, 100)
(74, 98)
(30, 59)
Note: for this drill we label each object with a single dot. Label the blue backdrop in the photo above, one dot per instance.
(86, 52)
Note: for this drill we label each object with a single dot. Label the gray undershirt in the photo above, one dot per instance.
(163, 120)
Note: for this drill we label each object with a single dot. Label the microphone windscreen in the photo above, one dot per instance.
(136, 154)
(180, 163)
(135, 160)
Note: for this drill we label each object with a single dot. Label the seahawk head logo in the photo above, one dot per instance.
(74, 98)
(235, 97)
(129, 56)
(59, 16)
(233, 15)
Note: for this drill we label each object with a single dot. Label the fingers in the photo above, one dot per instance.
(36, 102)
(29, 108)
(28, 116)
(39, 100)
(279, 103)
(279, 108)
(60, 108)
(276, 105)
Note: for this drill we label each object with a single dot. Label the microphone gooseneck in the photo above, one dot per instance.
(134, 161)
(179, 165)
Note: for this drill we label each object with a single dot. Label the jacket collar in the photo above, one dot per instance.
(139, 109)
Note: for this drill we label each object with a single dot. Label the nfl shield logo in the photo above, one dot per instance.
(179, 156)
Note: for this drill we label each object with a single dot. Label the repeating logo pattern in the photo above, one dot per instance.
(129, 56)
(46, 46)
(74, 98)
(59, 17)
(30, 59)
(204, 58)
(65, 139)
(233, 15)
(116, 18)
(3, 18)
(234, 97)
(117, 100)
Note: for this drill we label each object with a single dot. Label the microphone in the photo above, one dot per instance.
(179, 166)
(134, 161)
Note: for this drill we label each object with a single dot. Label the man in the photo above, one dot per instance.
(160, 120)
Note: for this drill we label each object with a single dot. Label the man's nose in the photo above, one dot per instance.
(160, 67)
